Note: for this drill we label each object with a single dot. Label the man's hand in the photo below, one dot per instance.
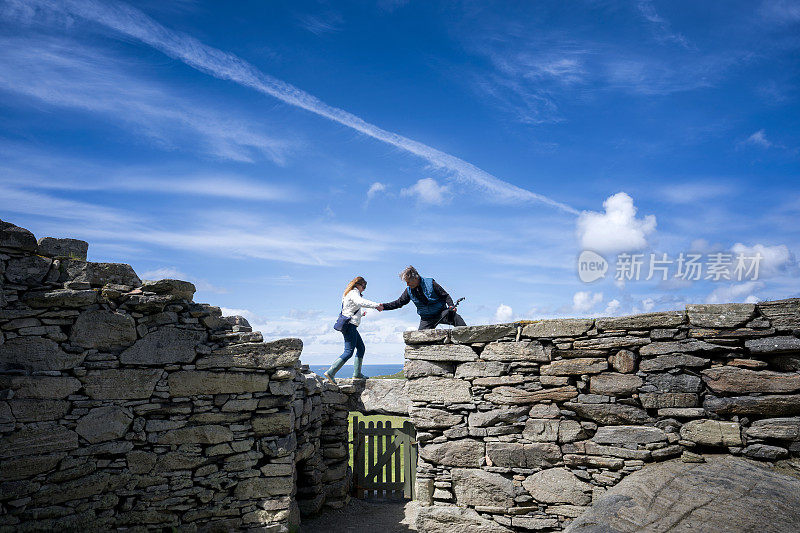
(363, 313)
(380, 307)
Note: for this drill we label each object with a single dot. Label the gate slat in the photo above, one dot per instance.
(398, 457)
(371, 455)
(378, 468)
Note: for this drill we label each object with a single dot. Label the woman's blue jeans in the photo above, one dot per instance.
(352, 343)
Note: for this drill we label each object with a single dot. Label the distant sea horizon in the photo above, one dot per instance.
(368, 370)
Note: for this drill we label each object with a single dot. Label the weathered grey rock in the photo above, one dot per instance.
(279, 423)
(38, 439)
(208, 434)
(775, 428)
(425, 336)
(36, 353)
(541, 430)
(384, 396)
(179, 290)
(515, 351)
(16, 468)
(470, 334)
(27, 270)
(164, 346)
(121, 384)
(727, 494)
(267, 355)
(611, 384)
(674, 383)
(765, 452)
(194, 382)
(667, 362)
(480, 369)
(104, 423)
(665, 319)
(611, 414)
(666, 400)
(562, 327)
(438, 519)
(425, 418)
(447, 352)
(514, 396)
(558, 485)
(16, 238)
(460, 452)
(768, 405)
(571, 367)
(731, 379)
(439, 389)
(518, 455)
(622, 435)
(783, 314)
(624, 361)
(69, 248)
(99, 274)
(497, 416)
(38, 410)
(262, 487)
(570, 431)
(712, 432)
(473, 486)
(418, 368)
(61, 298)
(605, 343)
(773, 344)
(103, 330)
(720, 315)
(44, 387)
(684, 346)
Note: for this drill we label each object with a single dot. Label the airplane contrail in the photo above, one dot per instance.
(133, 23)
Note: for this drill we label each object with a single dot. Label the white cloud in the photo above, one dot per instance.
(615, 230)
(773, 258)
(687, 193)
(735, 293)
(134, 24)
(648, 304)
(585, 301)
(504, 313)
(428, 191)
(612, 308)
(759, 138)
(375, 189)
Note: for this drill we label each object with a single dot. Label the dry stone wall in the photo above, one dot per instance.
(521, 426)
(124, 404)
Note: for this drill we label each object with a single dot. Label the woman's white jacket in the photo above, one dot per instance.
(352, 302)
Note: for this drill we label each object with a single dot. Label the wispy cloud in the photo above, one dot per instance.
(132, 23)
(662, 28)
(63, 73)
(329, 22)
(688, 193)
(759, 139)
(428, 191)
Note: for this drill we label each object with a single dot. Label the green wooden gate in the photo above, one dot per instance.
(384, 460)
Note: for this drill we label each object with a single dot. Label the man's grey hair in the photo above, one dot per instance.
(409, 273)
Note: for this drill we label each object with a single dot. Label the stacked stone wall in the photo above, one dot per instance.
(124, 404)
(522, 426)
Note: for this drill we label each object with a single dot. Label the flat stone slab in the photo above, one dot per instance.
(70, 248)
(461, 452)
(720, 315)
(473, 486)
(665, 319)
(439, 389)
(36, 353)
(613, 384)
(628, 435)
(103, 330)
(195, 382)
(515, 351)
(562, 327)
(121, 384)
(684, 346)
(767, 405)
(573, 367)
(731, 379)
(426, 336)
(666, 362)
(164, 346)
(441, 352)
(782, 314)
(520, 455)
(264, 355)
(775, 428)
(773, 344)
(558, 485)
(470, 334)
(611, 413)
(712, 432)
(722, 495)
(514, 396)
(438, 519)
(12, 236)
(384, 396)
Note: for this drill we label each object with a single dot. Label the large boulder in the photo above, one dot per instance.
(164, 346)
(439, 519)
(385, 396)
(180, 290)
(558, 485)
(69, 248)
(27, 270)
(36, 353)
(17, 238)
(99, 274)
(104, 423)
(724, 494)
(473, 486)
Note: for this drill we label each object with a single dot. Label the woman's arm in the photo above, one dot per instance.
(360, 300)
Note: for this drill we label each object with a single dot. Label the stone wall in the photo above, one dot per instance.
(521, 426)
(124, 404)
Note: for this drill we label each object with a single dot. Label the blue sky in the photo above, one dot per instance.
(271, 151)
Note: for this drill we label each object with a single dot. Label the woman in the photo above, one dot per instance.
(352, 302)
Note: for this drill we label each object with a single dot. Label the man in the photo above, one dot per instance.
(434, 305)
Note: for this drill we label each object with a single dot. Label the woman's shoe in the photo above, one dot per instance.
(360, 376)
(330, 378)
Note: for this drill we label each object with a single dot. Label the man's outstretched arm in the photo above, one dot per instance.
(397, 304)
